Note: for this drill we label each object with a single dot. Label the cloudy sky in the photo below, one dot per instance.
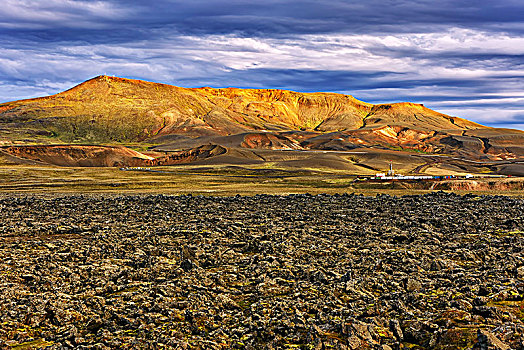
(460, 57)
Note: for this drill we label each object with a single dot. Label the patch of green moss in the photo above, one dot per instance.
(35, 344)
(514, 307)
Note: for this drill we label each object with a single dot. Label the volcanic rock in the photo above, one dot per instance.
(96, 272)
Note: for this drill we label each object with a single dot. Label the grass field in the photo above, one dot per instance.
(222, 181)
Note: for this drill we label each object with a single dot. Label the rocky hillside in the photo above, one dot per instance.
(108, 110)
(105, 156)
(124, 109)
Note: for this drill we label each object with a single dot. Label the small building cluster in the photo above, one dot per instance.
(382, 176)
(391, 175)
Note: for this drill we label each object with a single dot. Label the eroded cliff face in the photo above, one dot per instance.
(106, 156)
(269, 141)
(291, 109)
(182, 157)
(76, 155)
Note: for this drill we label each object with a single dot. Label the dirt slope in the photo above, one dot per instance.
(106, 156)
(108, 110)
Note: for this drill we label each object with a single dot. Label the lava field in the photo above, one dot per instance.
(438, 271)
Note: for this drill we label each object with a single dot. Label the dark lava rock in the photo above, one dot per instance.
(262, 272)
(487, 341)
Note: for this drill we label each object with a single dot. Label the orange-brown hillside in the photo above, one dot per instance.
(115, 110)
(105, 156)
(109, 108)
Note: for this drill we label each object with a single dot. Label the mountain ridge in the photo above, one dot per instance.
(111, 110)
(225, 108)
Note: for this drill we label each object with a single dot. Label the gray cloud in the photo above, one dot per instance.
(461, 57)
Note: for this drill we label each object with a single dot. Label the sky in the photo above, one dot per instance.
(460, 57)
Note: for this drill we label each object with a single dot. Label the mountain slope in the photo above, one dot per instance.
(115, 110)
(127, 110)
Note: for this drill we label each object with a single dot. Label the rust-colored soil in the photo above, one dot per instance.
(105, 156)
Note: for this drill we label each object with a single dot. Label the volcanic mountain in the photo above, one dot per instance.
(110, 110)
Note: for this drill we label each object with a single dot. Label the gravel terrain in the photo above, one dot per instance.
(438, 271)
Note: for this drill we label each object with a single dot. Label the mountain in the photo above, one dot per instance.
(110, 110)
